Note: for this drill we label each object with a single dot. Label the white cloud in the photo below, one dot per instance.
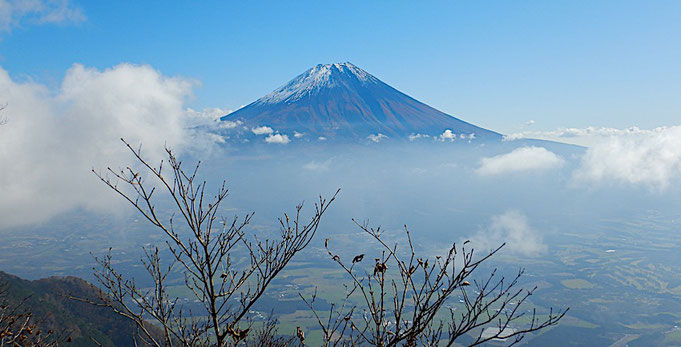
(647, 157)
(298, 135)
(520, 159)
(210, 113)
(210, 117)
(204, 127)
(212, 138)
(321, 138)
(451, 136)
(14, 13)
(53, 138)
(447, 135)
(228, 124)
(377, 137)
(277, 138)
(262, 130)
(512, 228)
(413, 137)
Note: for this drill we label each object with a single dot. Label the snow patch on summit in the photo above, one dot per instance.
(315, 79)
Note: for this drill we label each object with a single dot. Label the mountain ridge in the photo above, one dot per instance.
(50, 304)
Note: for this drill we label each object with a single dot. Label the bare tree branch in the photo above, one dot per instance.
(204, 249)
(401, 295)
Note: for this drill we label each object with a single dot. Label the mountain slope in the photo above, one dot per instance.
(343, 100)
(47, 300)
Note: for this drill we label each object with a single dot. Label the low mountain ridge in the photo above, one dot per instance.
(51, 308)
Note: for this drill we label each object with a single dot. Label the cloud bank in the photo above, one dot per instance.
(512, 228)
(519, 160)
(578, 136)
(53, 138)
(640, 157)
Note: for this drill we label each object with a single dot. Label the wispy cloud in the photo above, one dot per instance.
(228, 124)
(210, 118)
(205, 125)
(519, 160)
(512, 228)
(413, 137)
(15, 13)
(578, 136)
(377, 137)
(318, 166)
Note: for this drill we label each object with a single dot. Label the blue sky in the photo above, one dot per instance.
(497, 64)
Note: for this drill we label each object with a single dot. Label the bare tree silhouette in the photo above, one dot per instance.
(399, 299)
(208, 249)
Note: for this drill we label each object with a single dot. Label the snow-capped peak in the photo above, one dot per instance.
(316, 78)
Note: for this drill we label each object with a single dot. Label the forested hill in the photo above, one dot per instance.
(52, 309)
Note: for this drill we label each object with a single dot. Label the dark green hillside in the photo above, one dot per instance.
(53, 311)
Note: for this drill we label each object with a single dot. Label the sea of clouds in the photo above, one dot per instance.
(51, 139)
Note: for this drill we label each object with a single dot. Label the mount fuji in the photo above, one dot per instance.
(343, 101)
